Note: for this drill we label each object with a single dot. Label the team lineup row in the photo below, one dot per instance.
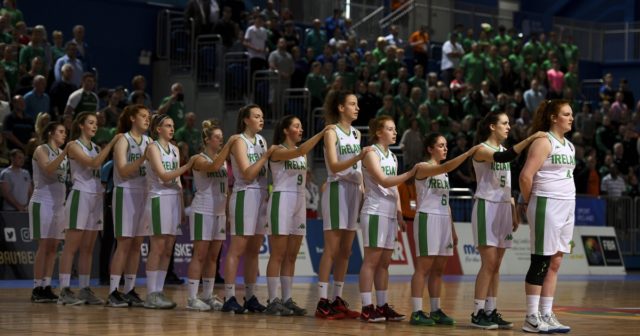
(361, 194)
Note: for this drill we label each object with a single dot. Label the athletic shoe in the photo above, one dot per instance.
(214, 302)
(173, 279)
(117, 300)
(325, 310)
(67, 297)
(153, 301)
(554, 324)
(420, 318)
(134, 299)
(496, 318)
(38, 295)
(342, 306)
(232, 305)
(89, 297)
(535, 324)
(390, 314)
(441, 318)
(197, 304)
(48, 293)
(253, 305)
(371, 314)
(482, 321)
(297, 310)
(276, 308)
(165, 302)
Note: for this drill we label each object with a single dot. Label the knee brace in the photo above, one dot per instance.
(538, 269)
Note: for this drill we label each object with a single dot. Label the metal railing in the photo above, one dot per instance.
(623, 216)
(208, 56)
(181, 45)
(264, 86)
(236, 78)
(298, 103)
(368, 27)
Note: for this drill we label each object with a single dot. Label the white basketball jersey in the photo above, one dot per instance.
(85, 178)
(494, 179)
(211, 190)
(49, 188)
(255, 150)
(433, 194)
(347, 146)
(289, 175)
(170, 162)
(379, 200)
(555, 177)
(134, 151)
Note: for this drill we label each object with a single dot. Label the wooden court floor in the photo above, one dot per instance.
(590, 307)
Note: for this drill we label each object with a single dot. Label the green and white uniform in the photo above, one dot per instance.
(378, 217)
(248, 203)
(491, 217)
(551, 210)
(341, 199)
(83, 209)
(163, 208)
(208, 220)
(287, 212)
(46, 208)
(130, 193)
(432, 225)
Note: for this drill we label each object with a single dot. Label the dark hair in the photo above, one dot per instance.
(157, 120)
(541, 120)
(88, 75)
(208, 126)
(430, 141)
(137, 95)
(124, 121)
(244, 112)
(375, 125)
(79, 120)
(278, 132)
(14, 152)
(48, 130)
(331, 102)
(483, 130)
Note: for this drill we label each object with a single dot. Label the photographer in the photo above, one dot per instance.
(173, 105)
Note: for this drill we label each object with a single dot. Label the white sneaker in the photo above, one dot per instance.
(554, 324)
(535, 324)
(214, 302)
(197, 304)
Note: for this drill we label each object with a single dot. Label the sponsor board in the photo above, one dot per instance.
(315, 241)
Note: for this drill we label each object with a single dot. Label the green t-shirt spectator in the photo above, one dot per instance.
(517, 61)
(56, 53)
(382, 112)
(378, 54)
(11, 73)
(493, 68)
(435, 106)
(571, 81)
(175, 111)
(191, 136)
(503, 40)
(348, 79)
(399, 102)
(570, 52)
(395, 83)
(28, 53)
(424, 124)
(391, 66)
(474, 69)
(532, 49)
(103, 135)
(466, 44)
(15, 14)
(6, 38)
(316, 84)
(419, 82)
(530, 70)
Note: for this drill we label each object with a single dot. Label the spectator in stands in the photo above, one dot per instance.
(227, 29)
(190, 134)
(139, 84)
(434, 102)
(605, 137)
(112, 111)
(571, 79)
(255, 40)
(205, 13)
(509, 80)
(630, 147)
(18, 128)
(492, 65)
(629, 99)
(83, 99)
(533, 48)
(534, 96)
(394, 38)
(317, 85)
(488, 98)
(291, 35)
(587, 178)
(37, 100)
(70, 58)
(571, 53)
(16, 184)
(619, 112)
(5, 91)
(83, 48)
(613, 184)
(555, 77)
(4, 152)
(12, 12)
(57, 48)
(301, 68)
(411, 144)
(348, 77)
(173, 105)
(38, 47)
(606, 90)
(387, 107)
(390, 64)
(419, 41)
(270, 13)
(316, 38)
(25, 84)
(338, 36)
(369, 102)
(349, 32)
(273, 34)
(281, 61)
(473, 67)
(334, 22)
(502, 39)
(585, 123)
(104, 133)
(60, 92)
(461, 177)
(312, 195)
(5, 31)
(10, 66)
(20, 33)
(452, 52)
(619, 158)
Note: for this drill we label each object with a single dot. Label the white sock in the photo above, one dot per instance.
(207, 287)
(229, 291)
(46, 281)
(152, 279)
(129, 282)
(249, 290)
(477, 306)
(435, 304)
(381, 297)
(416, 302)
(286, 282)
(160, 280)
(366, 299)
(546, 302)
(272, 286)
(114, 281)
(37, 283)
(323, 290)
(337, 288)
(84, 280)
(65, 280)
(490, 304)
(192, 285)
(532, 304)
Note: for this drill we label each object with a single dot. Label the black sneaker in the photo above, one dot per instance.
(482, 321)
(232, 305)
(117, 300)
(48, 292)
(38, 296)
(173, 279)
(496, 318)
(253, 305)
(134, 299)
(324, 310)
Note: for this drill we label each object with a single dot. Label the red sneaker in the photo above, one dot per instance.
(324, 310)
(342, 306)
(371, 314)
(390, 314)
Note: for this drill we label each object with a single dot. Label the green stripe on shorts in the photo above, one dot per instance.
(156, 220)
(334, 205)
(373, 230)
(35, 213)
(541, 209)
(481, 219)
(75, 202)
(197, 226)
(275, 207)
(239, 222)
(422, 234)
(119, 206)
